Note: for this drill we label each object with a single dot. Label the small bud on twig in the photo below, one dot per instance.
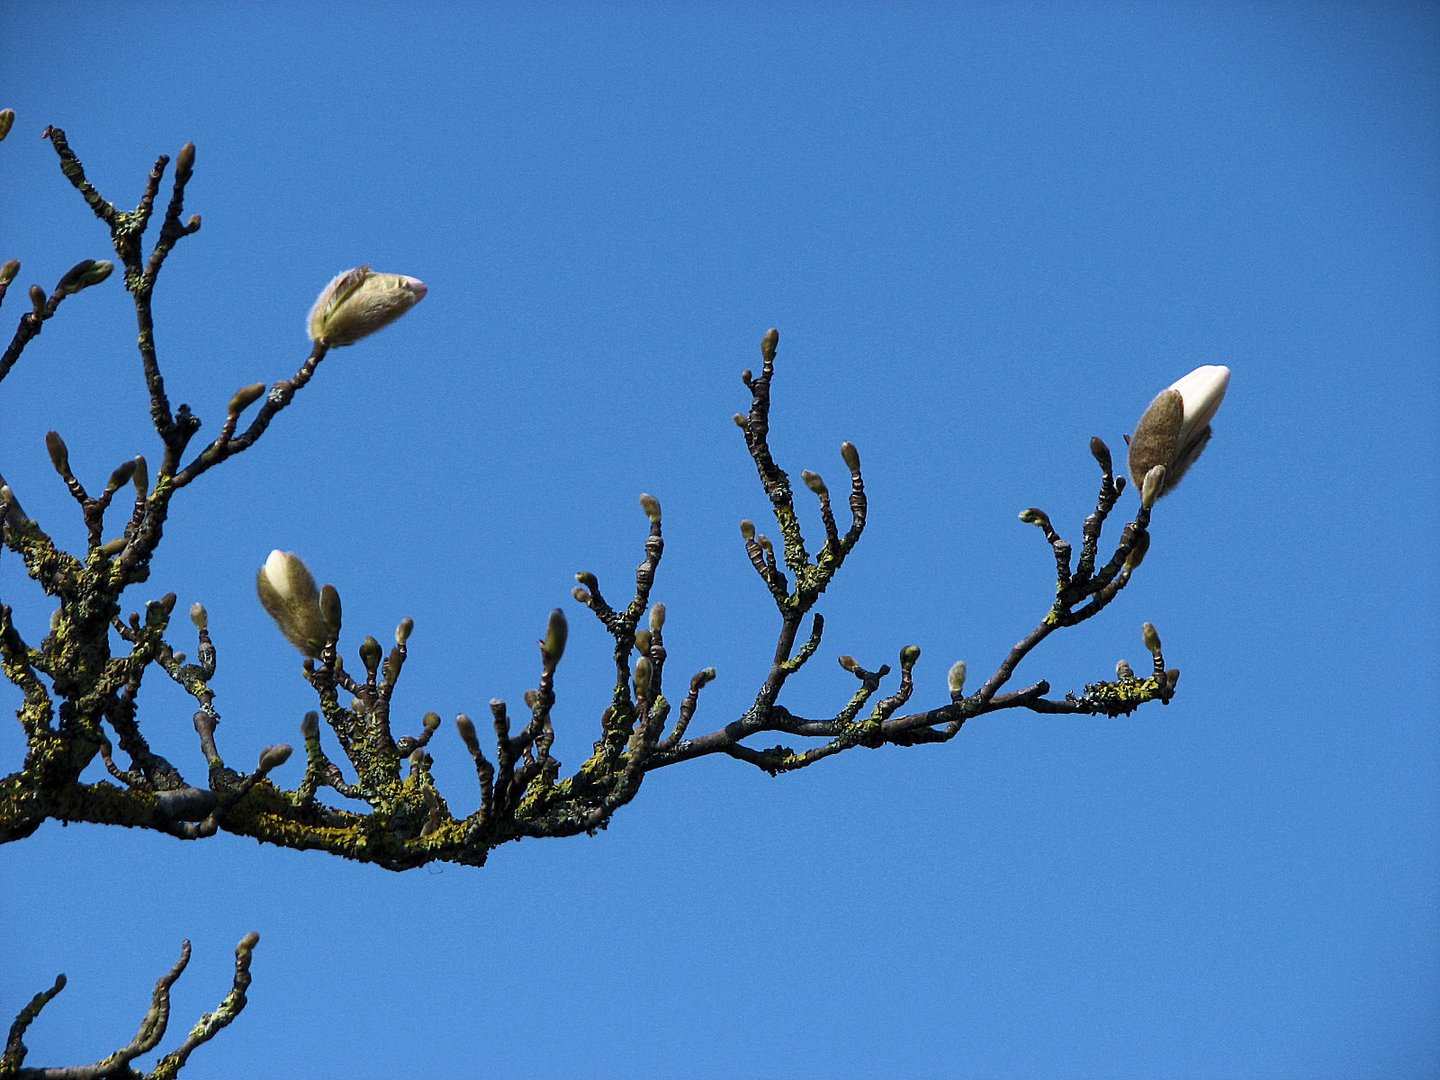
(403, 630)
(657, 617)
(185, 162)
(8, 271)
(430, 721)
(82, 275)
(644, 671)
(1153, 487)
(651, 506)
(1101, 453)
(908, 655)
(850, 456)
(814, 483)
(1152, 638)
(199, 616)
(643, 641)
(245, 397)
(59, 453)
(557, 631)
(7, 121)
(370, 654)
(747, 529)
(331, 611)
(272, 757)
(956, 679)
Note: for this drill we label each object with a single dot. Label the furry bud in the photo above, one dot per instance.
(288, 593)
(359, 302)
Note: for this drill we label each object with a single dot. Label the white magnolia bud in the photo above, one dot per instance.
(1176, 426)
(288, 592)
(359, 302)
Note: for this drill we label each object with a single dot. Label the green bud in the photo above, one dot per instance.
(1035, 516)
(370, 653)
(956, 678)
(657, 617)
(331, 612)
(272, 757)
(403, 631)
(8, 271)
(850, 456)
(82, 275)
(557, 631)
(644, 671)
(7, 121)
(59, 453)
(769, 343)
(1152, 638)
(121, 476)
(245, 397)
(359, 302)
(1153, 486)
(908, 655)
(651, 506)
(199, 616)
(814, 483)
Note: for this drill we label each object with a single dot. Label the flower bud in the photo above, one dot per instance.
(430, 721)
(651, 506)
(1124, 671)
(272, 757)
(359, 302)
(740, 421)
(310, 726)
(850, 456)
(141, 477)
(245, 397)
(769, 343)
(185, 162)
(1035, 516)
(37, 299)
(1152, 638)
(957, 678)
(1176, 427)
(581, 594)
(1101, 453)
(121, 476)
(747, 529)
(557, 631)
(403, 631)
(8, 271)
(82, 275)
(657, 617)
(1153, 487)
(7, 121)
(466, 727)
(814, 483)
(59, 452)
(643, 640)
(331, 612)
(370, 653)
(288, 593)
(1140, 546)
(199, 616)
(644, 671)
(908, 655)
(849, 663)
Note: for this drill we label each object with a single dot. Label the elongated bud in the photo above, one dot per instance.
(644, 671)
(1101, 453)
(1140, 546)
(849, 663)
(908, 655)
(370, 654)
(121, 476)
(8, 271)
(59, 452)
(466, 727)
(288, 593)
(814, 483)
(199, 616)
(1172, 680)
(557, 631)
(7, 121)
(359, 302)
(1152, 638)
(113, 547)
(956, 678)
(331, 612)
(740, 421)
(747, 529)
(769, 343)
(403, 631)
(850, 456)
(643, 640)
(657, 617)
(272, 757)
(185, 162)
(141, 477)
(310, 726)
(1153, 486)
(651, 506)
(245, 397)
(84, 274)
(37, 299)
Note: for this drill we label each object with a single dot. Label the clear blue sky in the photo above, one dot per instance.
(986, 232)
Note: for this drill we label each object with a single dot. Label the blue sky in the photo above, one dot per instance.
(986, 234)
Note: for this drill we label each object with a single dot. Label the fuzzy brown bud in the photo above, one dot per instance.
(403, 630)
(644, 672)
(814, 483)
(657, 617)
(850, 456)
(245, 397)
(8, 271)
(288, 592)
(331, 611)
(7, 121)
(272, 757)
(651, 506)
(185, 162)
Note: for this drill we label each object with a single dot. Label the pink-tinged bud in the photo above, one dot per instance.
(1175, 428)
(288, 593)
(359, 302)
